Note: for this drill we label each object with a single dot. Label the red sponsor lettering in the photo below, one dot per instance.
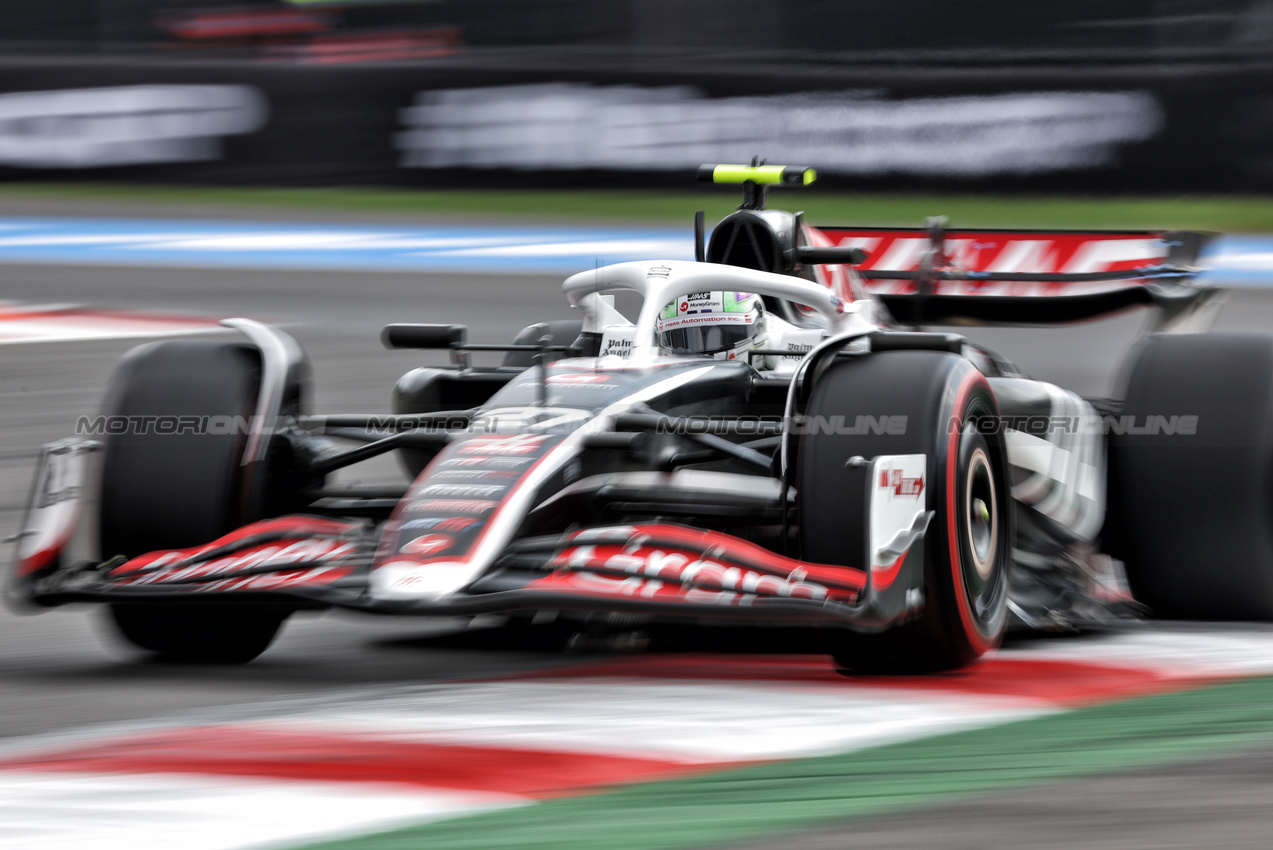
(892, 479)
(686, 570)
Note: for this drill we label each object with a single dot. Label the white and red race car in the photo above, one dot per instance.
(906, 494)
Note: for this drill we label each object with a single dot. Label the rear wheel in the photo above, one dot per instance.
(172, 477)
(1192, 493)
(967, 546)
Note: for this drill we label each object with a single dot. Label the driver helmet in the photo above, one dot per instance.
(722, 324)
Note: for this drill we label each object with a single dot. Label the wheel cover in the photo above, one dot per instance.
(981, 519)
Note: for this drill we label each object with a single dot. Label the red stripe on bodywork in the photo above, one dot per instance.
(242, 751)
(885, 576)
(40, 560)
(297, 527)
(73, 313)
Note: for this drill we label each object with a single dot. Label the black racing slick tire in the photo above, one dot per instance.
(1192, 485)
(169, 480)
(173, 490)
(200, 634)
(950, 418)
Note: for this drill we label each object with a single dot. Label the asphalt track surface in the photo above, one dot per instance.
(62, 670)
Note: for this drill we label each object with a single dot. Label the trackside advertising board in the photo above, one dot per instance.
(466, 121)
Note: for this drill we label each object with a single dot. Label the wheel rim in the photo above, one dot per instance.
(980, 549)
(981, 515)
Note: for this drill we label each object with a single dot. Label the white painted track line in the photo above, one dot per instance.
(51, 811)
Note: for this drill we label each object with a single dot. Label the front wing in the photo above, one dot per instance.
(660, 568)
(663, 569)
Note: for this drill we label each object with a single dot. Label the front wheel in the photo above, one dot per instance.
(950, 414)
(200, 634)
(182, 486)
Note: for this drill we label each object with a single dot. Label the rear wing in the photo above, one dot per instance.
(926, 275)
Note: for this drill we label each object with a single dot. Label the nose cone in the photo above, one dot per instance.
(411, 580)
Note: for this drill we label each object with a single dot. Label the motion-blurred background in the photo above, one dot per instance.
(1147, 96)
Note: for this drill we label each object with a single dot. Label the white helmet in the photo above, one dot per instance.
(723, 324)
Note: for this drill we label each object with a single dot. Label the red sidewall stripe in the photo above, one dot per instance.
(980, 643)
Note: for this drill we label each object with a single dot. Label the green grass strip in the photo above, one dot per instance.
(754, 801)
(1252, 214)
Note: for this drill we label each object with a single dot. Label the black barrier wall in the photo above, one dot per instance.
(463, 122)
(984, 31)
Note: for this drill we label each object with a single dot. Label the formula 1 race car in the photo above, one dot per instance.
(770, 441)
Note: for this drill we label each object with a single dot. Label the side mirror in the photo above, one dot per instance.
(444, 337)
(816, 256)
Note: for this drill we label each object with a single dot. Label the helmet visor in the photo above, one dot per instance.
(704, 339)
